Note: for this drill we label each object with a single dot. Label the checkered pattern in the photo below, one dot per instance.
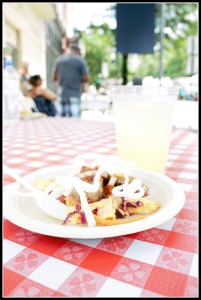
(159, 262)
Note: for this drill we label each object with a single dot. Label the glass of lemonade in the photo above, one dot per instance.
(143, 124)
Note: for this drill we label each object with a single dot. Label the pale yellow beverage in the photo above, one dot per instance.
(143, 123)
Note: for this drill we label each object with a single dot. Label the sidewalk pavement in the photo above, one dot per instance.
(185, 115)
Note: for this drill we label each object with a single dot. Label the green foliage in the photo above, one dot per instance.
(181, 22)
(100, 44)
(149, 66)
(175, 60)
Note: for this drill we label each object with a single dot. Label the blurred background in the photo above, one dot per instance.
(108, 35)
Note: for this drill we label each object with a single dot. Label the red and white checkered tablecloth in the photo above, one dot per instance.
(159, 262)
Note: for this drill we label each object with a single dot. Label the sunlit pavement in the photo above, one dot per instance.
(185, 115)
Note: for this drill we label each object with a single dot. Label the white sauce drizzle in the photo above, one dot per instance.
(111, 164)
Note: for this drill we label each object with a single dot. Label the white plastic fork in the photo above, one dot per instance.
(50, 206)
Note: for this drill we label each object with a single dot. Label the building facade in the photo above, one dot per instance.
(24, 34)
(54, 34)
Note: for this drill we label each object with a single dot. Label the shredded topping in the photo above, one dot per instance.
(100, 186)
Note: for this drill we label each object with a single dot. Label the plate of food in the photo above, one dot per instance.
(96, 196)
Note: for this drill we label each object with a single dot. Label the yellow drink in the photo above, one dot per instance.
(143, 128)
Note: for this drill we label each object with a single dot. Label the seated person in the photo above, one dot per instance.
(42, 97)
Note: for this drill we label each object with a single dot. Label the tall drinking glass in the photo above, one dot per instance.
(143, 124)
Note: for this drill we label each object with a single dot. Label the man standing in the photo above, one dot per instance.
(71, 72)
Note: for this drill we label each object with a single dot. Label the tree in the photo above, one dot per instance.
(181, 22)
(100, 47)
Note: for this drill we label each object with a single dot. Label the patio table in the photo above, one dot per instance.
(158, 262)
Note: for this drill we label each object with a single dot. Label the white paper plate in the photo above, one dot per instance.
(24, 212)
